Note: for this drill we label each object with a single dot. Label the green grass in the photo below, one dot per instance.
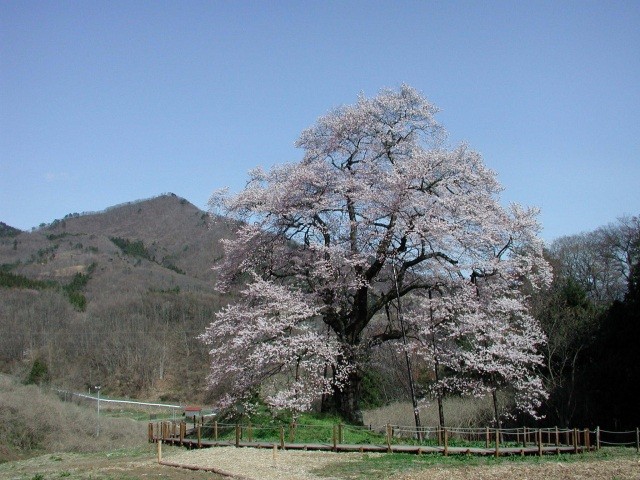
(140, 415)
(308, 429)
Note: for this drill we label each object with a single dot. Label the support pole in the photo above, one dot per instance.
(414, 400)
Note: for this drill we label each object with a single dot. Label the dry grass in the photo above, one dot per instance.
(458, 412)
(32, 421)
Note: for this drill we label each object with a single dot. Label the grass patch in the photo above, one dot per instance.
(308, 428)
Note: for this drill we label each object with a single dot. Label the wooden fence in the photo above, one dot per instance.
(390, 438)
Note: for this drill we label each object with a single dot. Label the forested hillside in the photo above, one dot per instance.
(113, 298)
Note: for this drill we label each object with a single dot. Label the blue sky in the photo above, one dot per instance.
(107, 102)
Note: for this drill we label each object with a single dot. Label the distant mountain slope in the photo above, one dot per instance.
(117, 296)
(8, 231)
(178, 239)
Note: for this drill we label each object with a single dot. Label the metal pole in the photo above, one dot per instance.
(414, 401)
(98, 426)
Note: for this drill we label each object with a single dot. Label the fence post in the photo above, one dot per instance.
(598, 438)
(215, 430)
(150, 434)
(238, 427)
(199, 430)
(446, 442)
(281, 437)
(539, 442)
(487, 437)
(292, 431)
(587, 439)
(637, 440)
(557, 437)
(340, 433)
(182, 431)
(159, 451)
(388, 437)
(250, 432)
(497, 443)
(335, 437)
(524, 437)
(575, 440)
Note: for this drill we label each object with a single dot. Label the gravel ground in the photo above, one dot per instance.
(261, 464)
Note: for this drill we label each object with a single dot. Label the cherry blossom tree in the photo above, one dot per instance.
(271, 334)
(432, 325)
(497, 345)
(378, 208)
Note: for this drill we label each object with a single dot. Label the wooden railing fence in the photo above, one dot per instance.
(391, 438)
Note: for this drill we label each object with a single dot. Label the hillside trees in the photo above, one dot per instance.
(582, 311)
(376, 192)
(600, 261)
(612, 369)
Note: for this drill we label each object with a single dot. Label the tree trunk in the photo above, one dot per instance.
(347, 399)
(495, 408)
(440, 393)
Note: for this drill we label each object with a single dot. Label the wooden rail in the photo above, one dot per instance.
(527, 441)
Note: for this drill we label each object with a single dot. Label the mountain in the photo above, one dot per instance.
(116, 297)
